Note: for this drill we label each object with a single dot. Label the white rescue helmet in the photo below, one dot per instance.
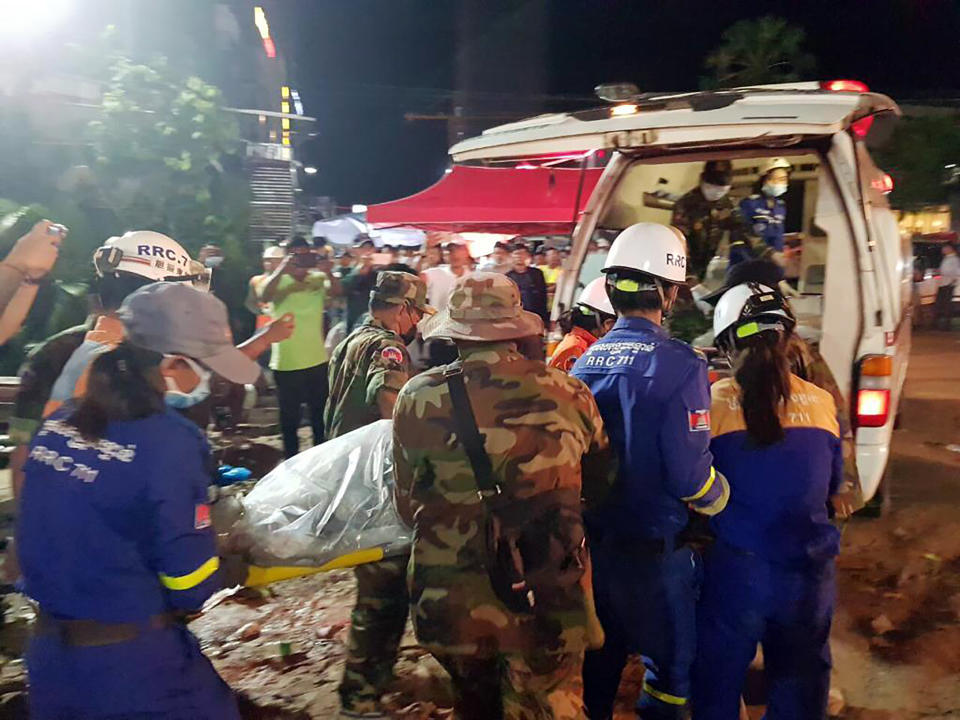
(748, 309)
(772, 164)
(594, 297)
(151, 255)
(274, 252)
(650, 248)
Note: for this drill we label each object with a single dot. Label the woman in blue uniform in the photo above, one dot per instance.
(114, 537)
(769, 578)
(765, 211)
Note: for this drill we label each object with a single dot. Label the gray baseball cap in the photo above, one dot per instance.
(174, 318)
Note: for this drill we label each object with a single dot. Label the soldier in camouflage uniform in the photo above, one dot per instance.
(367, 370)
(542, 432)
(705, 213)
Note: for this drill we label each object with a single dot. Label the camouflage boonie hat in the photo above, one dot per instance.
(400, 287)
(483, 307)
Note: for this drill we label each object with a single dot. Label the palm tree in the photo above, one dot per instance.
(758, 52)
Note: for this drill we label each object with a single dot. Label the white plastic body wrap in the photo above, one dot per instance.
(333, 499)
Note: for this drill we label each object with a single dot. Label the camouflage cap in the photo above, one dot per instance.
(483, 307)
(400, 287)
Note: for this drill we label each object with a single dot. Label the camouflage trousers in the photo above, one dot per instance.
(376, 626)
(515, 686)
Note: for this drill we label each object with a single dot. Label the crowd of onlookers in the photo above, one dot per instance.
(326, 289)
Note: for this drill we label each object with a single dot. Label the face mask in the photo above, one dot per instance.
(213, 261)
(179, 400)
(774, 190)
(713, 192)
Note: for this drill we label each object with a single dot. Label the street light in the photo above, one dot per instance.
(310, 170)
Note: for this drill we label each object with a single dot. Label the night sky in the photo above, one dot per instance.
(362, 64)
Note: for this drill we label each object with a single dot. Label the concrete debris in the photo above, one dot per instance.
(836, 703)
(250, 631)
(901, 534)
(328, 632)
(954, 603)
(881, 625)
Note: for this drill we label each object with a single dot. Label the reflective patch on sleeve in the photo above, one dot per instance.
(201, 517)
(190, 580)
(698, 420)
(392, 354)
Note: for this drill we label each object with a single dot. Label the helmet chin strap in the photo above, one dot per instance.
(665, 305)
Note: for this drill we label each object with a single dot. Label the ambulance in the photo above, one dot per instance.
(851, 269)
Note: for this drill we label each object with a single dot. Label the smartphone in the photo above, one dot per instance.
(305, 260)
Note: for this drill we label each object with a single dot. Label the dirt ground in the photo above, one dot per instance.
(896, 639)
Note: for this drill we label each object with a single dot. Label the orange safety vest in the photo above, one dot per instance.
(573, 345)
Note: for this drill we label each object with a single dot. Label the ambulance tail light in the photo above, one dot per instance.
(873, 391)
(845, 86)
(862, 126)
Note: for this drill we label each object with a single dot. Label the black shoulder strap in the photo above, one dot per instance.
(469, 432)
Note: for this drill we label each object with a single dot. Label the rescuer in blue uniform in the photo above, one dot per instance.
(765, 211)
(769, 577)
(653, 395)
(115, 539)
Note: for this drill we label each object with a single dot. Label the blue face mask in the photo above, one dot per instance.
(774, 189)
(179, 400)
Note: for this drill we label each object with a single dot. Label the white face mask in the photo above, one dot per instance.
(179, 400)
(713, 192)
(213, 261)
(774, 189)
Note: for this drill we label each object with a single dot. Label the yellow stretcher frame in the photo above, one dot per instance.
(258, 576)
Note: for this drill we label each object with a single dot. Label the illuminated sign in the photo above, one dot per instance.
(260, 20)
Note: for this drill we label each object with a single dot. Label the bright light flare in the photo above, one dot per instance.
(260, 20)
(310, 170)
(23, 18)
(622, 110)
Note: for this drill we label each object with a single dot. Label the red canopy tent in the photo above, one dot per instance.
(524, 200)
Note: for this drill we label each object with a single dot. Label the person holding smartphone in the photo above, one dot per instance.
(21, 271)
(300, 286)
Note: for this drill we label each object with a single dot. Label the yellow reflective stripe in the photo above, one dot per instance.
(706, 486)
(723, 497)
(662, 696)
(266, 575)
(185, 582)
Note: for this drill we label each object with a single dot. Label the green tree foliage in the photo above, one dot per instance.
(758, 52)
(160, 150)
(916, 155)
(161, 155)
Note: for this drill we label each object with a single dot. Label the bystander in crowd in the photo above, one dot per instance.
(299, 287)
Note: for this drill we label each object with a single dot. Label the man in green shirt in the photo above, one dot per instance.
(300, 287)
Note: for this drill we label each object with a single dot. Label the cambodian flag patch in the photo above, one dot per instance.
(392, 354)
(699, 420)
(201, 517)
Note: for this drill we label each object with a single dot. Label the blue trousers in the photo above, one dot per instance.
(747, 600)
(646, 602)
(162, 675)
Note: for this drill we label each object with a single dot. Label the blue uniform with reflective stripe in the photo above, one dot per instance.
(770, 578)
(649, 388)
(765, 221)
(653, 394)
(117, 530)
